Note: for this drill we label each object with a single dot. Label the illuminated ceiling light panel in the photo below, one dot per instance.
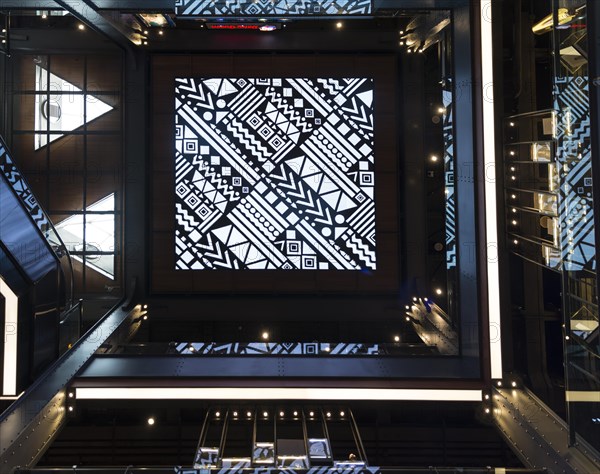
(489, 158)
(99, 235)
(275, 393)
(203, 8)
(62, 112)
(274, 174)
(11, 312)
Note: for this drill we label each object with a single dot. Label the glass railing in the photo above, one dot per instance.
(321, 469)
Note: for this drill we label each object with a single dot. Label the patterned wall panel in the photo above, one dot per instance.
(449, 180)
(276, 348)
(574, 157)
(202, 8)
(274, 174)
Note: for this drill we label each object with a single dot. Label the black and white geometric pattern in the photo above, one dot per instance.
(279, 8)
(448, 133)
(274, 174)
(14, 177)
(277, 348)
(574, 159)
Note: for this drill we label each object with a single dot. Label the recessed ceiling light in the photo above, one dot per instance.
(218, 414)
(151, 421)
(438, 291)
(81, 26)
(265, 335)
(161, 32)
(339, 24)
(281, 414)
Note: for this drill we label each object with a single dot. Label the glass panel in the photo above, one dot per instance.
(102, 112)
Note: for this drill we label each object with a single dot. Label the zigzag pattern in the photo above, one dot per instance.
(185, 219)
(361, 250)
(205, 8)
(244, 137)
(218, 183)
(288, 111)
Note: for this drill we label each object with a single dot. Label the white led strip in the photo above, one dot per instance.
(275, 393)
(489, 158)
(11, 305)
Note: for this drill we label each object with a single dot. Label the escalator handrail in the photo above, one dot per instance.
(62, 245)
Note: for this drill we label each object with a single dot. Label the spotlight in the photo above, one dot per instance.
(414, 298)
(339, 24)
(514, 384)
(295, 413)
(71, 395)
(145, 32)
(401, 43)
(145, 318)
(407, 307)
(513, 196)
(311, 414)
(160, 32)
(499, 383)
(235, 413)
(514, 222)
(487, 410)
(434, 158)
(438, 291)
(515, 241)
(265, 414)
(145, 306)
(281, 414)
(328, 414)
(145, 43)
(486, 396)
(342, 413)
(151, 421)
(514, 210)
(70, 408)
(248, 414)
(401, 32)
(44, 16)
(265, 335)
(512, 168)
(81, 26)
(396, 338)
(512, 153)
(567, 338)
(218, 414)
(512, 124)
(441, 110)
(407, 318)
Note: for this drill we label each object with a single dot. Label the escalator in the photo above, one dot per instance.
(37, 281)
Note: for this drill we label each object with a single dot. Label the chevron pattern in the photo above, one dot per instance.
(574, 157)
(274, 174)
(204, 8)
(12, 174)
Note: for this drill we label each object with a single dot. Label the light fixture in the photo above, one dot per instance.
(514, 222)
(513, 196)
(151, 421)
(218, 414)
(407, 307)
(414, 298)
(396, 338)
(401, 32)
(499, 383)
(160, 32)
(438, 291)
(486, 396)
(235, 413)
(145, 43)
(44, 16)
(514, 210)
(441, 110)
(407, 318)
(342, 413)
(295, 413)
(248, 414)
(512, 168)
(339, 24)
(434, 158)
(71, 394)
(487, 410)
(514, 178)
(515, 241)
(145, 32)
(512, 124)
(513, 383)
(567, 338)
(70, 408)
(401, 43)
(281, 414)
(145, 318)
(512, 153)
(145, 306)
(265, 414)
(265, 335)
(81, 26)
(311, 414)
(328, 414)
